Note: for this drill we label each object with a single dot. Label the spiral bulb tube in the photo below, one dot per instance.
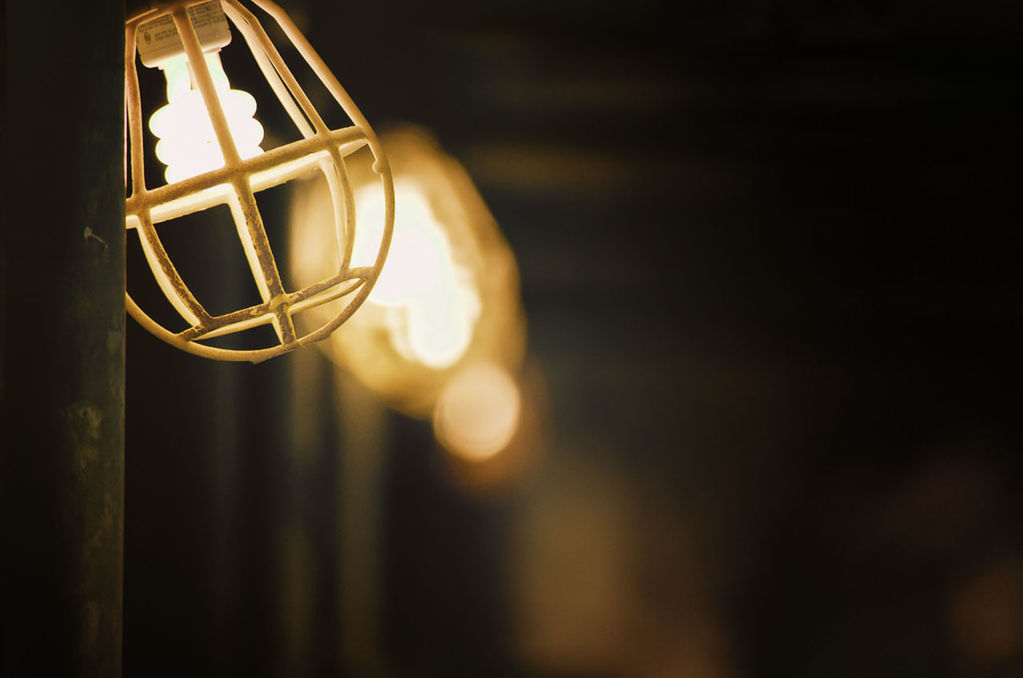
(187, 142)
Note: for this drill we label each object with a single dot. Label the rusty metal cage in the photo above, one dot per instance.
(239, 179)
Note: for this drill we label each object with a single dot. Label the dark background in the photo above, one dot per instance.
(769, 258)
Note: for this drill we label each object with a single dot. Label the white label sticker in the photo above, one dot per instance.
(158, 40)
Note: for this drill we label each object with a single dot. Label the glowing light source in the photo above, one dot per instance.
(432, 301)
(477, 413)
(188, 143)
(447, 296)
(211, 144)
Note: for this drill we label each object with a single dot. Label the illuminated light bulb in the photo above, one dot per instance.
(211, 145)
(433, 302)
(420, 256)
(448, 294)
(188, 143)
(440, 328)
(477, 413)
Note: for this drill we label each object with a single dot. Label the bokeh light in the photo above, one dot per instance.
(448, 294)
(477, 413)
(432, 301)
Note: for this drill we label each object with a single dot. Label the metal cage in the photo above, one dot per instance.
(236, 183)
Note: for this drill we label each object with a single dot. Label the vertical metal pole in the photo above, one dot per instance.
(62, 459)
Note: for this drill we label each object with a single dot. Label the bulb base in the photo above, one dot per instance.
(158, 40)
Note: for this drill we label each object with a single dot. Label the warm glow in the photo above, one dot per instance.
(188, 145)
(430, 300)
(477, 413)
(448, 294)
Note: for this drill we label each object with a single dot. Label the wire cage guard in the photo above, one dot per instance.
(238, 180)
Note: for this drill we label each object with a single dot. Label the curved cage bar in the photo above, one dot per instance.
(239, 179)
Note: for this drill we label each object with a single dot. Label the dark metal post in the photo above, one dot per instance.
(62, 460)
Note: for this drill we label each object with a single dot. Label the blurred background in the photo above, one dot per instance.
(722, 379)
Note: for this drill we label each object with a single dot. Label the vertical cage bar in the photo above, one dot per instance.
(201, 72)
(380, 165)
(282, 68)
(244, 24)
(254, 239)
(133, 105)
(167, 276)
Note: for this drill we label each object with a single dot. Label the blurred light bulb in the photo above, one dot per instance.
(188, 144)
(448, 294)
(432, 302)
(477, 413)
(440, 327)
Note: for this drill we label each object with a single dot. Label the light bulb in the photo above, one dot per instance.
(188, 143)
(210, 143)
(432, 301)
(447, 297)
(440, 327)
